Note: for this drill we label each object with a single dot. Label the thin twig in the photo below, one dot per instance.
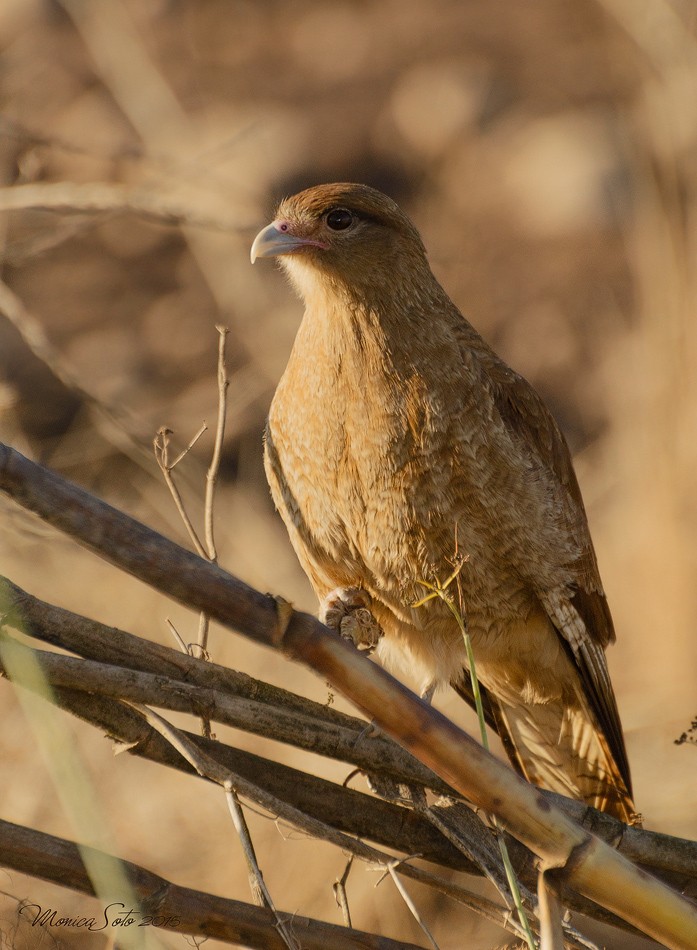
(211, 485)
(214, 468)
(260, 893)
(161, 448)
(175, 633)
(406, 897)
(185, 451)
(339, 888)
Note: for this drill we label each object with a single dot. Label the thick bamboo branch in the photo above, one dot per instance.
(586, 863)
(267, 710)
(345, 809)
(342, 812)
(195, 912)
(287, 717)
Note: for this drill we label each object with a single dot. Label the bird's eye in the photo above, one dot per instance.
(338, 219)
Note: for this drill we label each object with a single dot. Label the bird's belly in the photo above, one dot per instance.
(377, 514)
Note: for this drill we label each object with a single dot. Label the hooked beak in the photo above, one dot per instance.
(272, 241)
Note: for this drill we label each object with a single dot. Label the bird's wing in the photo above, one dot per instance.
(492, 714)
(579, 612)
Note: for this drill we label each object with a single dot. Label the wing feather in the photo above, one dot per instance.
(579, 612)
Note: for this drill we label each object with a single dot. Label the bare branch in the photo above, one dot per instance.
(179, 909)
(339, 888)
(214, 468)
(589, 865)
(161, 448)
(104, 197)
(285, 716)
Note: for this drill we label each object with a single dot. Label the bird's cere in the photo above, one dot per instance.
(279, 238)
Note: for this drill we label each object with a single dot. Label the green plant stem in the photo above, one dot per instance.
(505, 857)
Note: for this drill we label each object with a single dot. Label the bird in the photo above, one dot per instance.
(397, 436)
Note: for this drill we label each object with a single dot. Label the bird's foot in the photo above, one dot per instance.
(347, 610)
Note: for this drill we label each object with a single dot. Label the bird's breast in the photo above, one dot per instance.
(386, 470)
(375, 477)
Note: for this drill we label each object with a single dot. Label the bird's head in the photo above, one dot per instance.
(347, 238)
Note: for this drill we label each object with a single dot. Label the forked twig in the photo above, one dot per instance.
(339, 888)
(161, 444)
(260, 893)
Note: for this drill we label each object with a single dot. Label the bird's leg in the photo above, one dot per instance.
(347, 610)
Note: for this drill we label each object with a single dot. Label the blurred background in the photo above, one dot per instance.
(548, 154)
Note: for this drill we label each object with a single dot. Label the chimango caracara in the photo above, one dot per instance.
(394, 429)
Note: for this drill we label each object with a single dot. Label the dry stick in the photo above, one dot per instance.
(55, 859)
(281, 715)
(550, 916)
(260, 893)
(305, 794)
(406, 897)
(586, 863)
(100, 197)
(339, 888)
(209, 768)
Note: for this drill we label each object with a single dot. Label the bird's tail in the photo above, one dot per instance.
(558, 746)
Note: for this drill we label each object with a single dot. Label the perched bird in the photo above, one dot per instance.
(395, 430)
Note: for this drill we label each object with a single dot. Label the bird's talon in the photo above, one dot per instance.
(346, 610)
